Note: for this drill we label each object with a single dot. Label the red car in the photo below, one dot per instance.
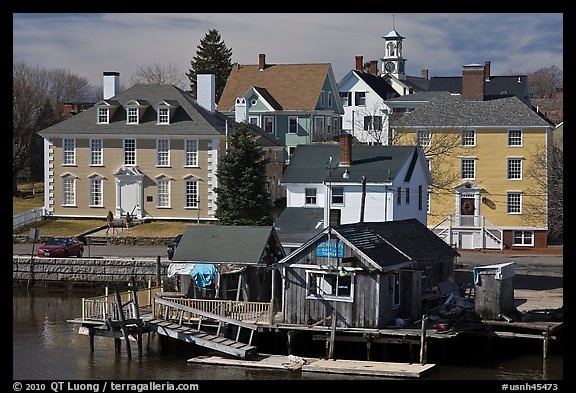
(61, 247)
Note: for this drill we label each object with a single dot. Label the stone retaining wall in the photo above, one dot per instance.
(68, 271)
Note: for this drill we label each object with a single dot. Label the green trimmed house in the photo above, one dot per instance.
(296, 103)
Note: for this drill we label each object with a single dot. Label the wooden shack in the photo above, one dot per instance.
(367, 274)
(494, 289)
(241, 257)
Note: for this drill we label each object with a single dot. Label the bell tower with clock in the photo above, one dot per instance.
(393, 62)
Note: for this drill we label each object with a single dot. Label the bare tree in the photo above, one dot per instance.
(545, 201)
(543, 82)
(37, 103)
(159, 74)
(373, 123)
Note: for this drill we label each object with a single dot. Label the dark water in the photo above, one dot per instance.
(47, 347)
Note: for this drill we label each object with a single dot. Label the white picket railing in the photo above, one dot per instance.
(32, 215)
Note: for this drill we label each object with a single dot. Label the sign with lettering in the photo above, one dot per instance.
(334, 249)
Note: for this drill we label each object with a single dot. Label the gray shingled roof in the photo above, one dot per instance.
(509, 84)
(222, 244)
(377, 83)
(297, 225)
(454, 111)
(309, 163)
(189, 117)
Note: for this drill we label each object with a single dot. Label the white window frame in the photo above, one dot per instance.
(191, 193)
(333, 203)
(424, 137)
(515, 204)
(316, 285)
(312, 198)
(96, 192)
(69, 191)
(515, 140)
(336, 123)
(129, 150)
(468, 137)
(290, 120)
(360, 96)
(517, 161)
(68, 152)
(526, 238)
(96, 152)
(254, 120)
(265, 120)
(329, 99)
(346, 98)
(162, 152)
(103, 115)
(132, 116)
(191, 153)
(163, 115)
(163, 194)
(467, 160)
(322, 100)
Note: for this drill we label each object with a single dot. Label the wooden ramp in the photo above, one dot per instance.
(360, 367)
(198, 337)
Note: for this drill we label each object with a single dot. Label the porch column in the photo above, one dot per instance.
(118, 187)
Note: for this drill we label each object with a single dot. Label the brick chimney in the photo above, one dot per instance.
(473, 87)
(373, 67)
(487, 70)
(359, 60)
(111, 84)
(425, 73)
(261, 61)
(345, 141)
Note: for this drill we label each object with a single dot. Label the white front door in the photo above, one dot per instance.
(129, 197)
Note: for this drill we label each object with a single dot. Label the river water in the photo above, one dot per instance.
(47, 347)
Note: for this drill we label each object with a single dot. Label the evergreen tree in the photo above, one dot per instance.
(243, 198)
(212, 57)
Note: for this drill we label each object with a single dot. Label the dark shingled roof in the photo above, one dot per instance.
(309, 163)
(455, 111)
(297, 225)
(378, 84)
(189, 119)
(223, 244)
(392, 242)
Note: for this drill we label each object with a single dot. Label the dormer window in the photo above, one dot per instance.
(165, 110)
(103, 115)
(132, 116)
(163, 116)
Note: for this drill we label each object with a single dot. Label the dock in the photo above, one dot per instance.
(314, 365)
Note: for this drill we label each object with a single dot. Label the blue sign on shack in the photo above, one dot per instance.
(335, 248)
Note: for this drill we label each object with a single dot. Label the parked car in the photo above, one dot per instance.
(61, 247)
(171, 247)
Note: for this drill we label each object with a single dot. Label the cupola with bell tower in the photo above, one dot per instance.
(393, 63)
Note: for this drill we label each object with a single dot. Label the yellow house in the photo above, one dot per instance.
(151, 151)
(482, 155)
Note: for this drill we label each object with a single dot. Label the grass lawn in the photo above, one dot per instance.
(20, 204)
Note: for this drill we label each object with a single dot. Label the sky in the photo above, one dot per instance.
(88, 44)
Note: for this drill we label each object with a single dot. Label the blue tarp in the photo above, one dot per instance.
(203, 274)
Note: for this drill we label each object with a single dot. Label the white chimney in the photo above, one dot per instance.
(241, 110)
(206, 91)
(111, 85)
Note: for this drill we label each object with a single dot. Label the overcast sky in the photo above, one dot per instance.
(88, 44)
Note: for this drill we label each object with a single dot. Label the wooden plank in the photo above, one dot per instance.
(256, 361)
(357, 367)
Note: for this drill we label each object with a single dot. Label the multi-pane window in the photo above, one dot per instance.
(254, 120)
(163, 190)
(69, 151)
(514, 137)
(269, 123)
(322, 99)
(318, 124)
(514, 168)
(69, 191)
(346, 98)
(468, 168)
(103, 114)
(191, 193)
(514, 202)
(163, 152)
(334, 286)
(522, 238)
(163, 116)
(129, 151)
(373, 123)
(96, 146)
(132, 115)
(423, 137)
(329, 99)
(468, 137)
(337, 195)
(191, 152)
(292, 124)
(310, 196)
(96, 192)
(360, 98)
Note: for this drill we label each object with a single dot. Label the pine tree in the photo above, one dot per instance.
(243, 198)
(212, 57)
